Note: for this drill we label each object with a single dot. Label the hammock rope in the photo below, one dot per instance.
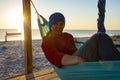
(34, 7)
(42, 22)
(101, 13)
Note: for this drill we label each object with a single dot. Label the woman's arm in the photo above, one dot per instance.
(70, 60)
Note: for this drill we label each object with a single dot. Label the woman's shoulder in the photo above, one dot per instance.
(68, 34)
(47, 36)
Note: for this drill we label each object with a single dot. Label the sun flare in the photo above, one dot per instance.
(15, 20)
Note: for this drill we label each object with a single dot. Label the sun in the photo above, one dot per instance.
(15, 19)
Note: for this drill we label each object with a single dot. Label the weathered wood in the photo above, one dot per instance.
(47, 74)
(11, 34)
(27, 36)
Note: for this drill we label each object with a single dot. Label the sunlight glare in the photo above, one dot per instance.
(15, 20)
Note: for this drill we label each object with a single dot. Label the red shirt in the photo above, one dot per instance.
(55, 47)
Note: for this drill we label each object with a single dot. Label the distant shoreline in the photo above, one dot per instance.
(81, 39)
(36, 33)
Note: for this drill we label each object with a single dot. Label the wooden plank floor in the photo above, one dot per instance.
(47, 74)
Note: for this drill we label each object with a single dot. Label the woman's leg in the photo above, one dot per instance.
(99, 46)
(89, 50)
(107, 49)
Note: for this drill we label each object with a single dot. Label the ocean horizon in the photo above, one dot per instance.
(36, 33)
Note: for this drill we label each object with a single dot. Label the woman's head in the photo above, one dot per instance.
(55, 17)
(57, 22)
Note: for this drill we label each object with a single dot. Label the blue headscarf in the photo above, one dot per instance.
(55, 17)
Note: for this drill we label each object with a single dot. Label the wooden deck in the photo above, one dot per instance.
(47, 74)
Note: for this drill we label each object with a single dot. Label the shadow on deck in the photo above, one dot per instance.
(47, 74)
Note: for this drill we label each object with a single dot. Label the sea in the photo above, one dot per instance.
(36, 34)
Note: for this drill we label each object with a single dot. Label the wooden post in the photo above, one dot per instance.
(27, 36)
(6, 37)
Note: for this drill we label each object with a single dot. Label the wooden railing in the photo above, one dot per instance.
(12, 34)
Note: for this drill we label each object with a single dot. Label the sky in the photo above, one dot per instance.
(79, 14)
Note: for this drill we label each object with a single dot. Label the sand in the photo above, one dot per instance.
(12, 58)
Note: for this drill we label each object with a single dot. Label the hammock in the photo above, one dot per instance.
(107, 70)
(43, 25)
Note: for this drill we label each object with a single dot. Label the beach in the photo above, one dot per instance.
(12, 58)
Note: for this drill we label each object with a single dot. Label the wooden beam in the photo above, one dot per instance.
(12, 34)
(46, 74)
(27, 36)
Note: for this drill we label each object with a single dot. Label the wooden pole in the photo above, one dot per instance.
(27, 36)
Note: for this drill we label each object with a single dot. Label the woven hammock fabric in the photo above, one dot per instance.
(43, 25)
(107, 70)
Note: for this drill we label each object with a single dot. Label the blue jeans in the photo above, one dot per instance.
(99, 46)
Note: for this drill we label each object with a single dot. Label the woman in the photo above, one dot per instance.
(60, 50)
